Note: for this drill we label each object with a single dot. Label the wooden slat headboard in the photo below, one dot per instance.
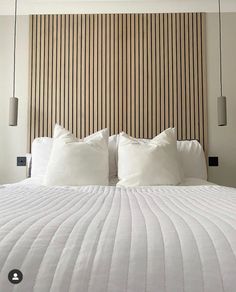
(138, 73)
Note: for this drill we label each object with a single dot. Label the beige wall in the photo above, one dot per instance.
(13, 139)
(222, 140)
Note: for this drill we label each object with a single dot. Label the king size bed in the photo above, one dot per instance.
(120, 237)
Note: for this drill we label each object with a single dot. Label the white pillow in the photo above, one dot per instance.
(42, 147)
(149, 163)
(193, 159)
(41, 150)
(112, 148)
(76, 162)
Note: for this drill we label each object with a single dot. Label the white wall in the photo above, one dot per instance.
(13, 139)
(222, 140)
(27, 7)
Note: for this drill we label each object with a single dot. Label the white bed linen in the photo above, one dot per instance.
(188, 181)
(116, 239)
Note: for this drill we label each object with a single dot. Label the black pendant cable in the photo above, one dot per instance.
(221, 103)
(13, 106)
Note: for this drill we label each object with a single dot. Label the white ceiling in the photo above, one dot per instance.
(113, 6)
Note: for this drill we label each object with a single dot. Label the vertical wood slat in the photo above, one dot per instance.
(112, 110)
(174, 71)
(166, 73)
(162, 74)
(204, 82)
(145, 78)
(183, 76)
(171, 112)
(99, 72)
(187, 70)
(200, 78)
(132, 117)
(136, 118)
(129, 74)
(141, 80)
(91, 74)
(54, 70)
(37, 75)
(58, 70)
(149, 76)
(62, 75)
(138, 73)
(66, 76)
(74, 73)
(116, 89)
(87, 75)
(158, 69)
(83, 77)
(104, 93)
(153, 74)
(179, 79)
(124, 80)
(95, 107)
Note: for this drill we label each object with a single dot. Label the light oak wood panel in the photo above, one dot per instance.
(139, 73)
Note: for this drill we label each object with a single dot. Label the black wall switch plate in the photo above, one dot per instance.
(213, 161)
(21, 161)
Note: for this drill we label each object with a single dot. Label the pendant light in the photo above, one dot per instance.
(221, 102)
(13, 104)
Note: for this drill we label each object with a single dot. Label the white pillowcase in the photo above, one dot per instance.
(41, 150)
(193, 159)
(142, 163)
(76, 162)
(42, 147)
(112, 148)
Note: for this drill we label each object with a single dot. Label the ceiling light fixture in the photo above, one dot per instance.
(221, 102)
(13, 104)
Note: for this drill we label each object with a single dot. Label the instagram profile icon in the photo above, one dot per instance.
(15, 276)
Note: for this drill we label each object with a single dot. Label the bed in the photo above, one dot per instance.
(115, 239)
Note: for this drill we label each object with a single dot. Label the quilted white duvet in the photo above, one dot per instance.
(101, 239)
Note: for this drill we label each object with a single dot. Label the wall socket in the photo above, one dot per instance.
(213, 161)
(21, 161)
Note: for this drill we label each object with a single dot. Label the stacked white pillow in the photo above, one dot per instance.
(149, 163)
(76, 162)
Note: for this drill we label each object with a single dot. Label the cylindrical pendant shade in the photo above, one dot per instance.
(222, 111)
(13, 111)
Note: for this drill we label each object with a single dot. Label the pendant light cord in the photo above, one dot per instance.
(220, 44)
(14, 61)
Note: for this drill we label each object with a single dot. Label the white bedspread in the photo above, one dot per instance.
(101, 239)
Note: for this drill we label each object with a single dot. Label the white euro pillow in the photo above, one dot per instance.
(112, 149)
(41, 150)
(149, 163)
(76, 162)
(193, 159)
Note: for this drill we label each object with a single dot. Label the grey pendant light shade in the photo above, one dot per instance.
(221, 102)
(13, 102)
(13, 111)
(222, 111)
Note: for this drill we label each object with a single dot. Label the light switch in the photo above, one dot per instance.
(21, 161)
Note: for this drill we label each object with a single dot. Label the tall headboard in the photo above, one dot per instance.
(139, 73)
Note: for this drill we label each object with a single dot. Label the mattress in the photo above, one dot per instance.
(102, 239)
